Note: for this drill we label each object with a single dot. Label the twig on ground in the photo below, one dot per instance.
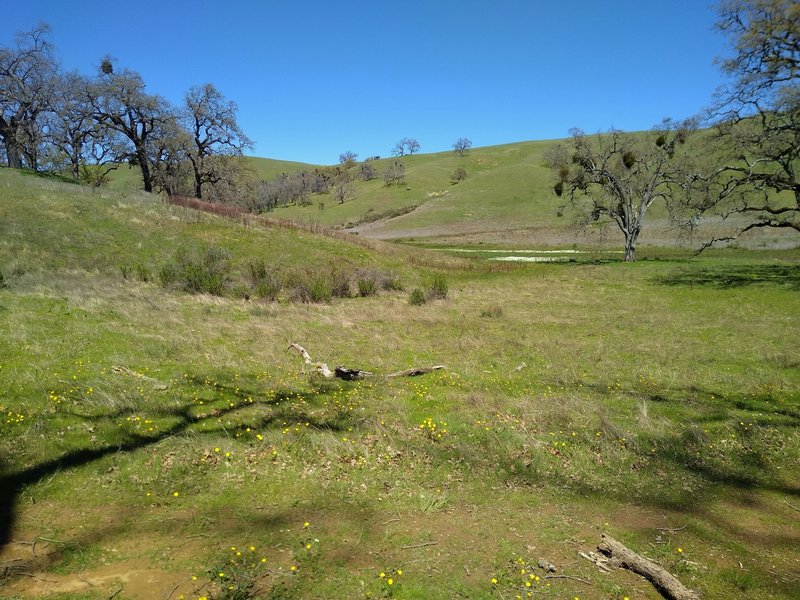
(586, 581)
(787, 503)
(671, 529)
(422, 545)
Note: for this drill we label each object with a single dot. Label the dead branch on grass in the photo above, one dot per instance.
(349, 374)
(622, 557)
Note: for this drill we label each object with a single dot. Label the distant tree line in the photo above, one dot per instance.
(86, 126)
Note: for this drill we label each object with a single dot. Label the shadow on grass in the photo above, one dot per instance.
(184, 417)
(734, 276)
(718, 446)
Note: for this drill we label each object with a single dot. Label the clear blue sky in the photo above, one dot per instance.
(315, 78)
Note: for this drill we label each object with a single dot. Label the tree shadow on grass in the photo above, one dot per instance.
(735, 276)
(183, 418)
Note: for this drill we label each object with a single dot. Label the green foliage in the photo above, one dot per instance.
(438, 288)
(493, 312)
(417, 297)
(198, 270)
(367, 286)
(459, 175)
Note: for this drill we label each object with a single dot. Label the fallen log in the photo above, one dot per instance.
(622, 557)
(349, 374)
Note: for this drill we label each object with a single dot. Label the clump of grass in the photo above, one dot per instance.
(340, 284)
(370, 281)
(143, 273)
(198, 271)
(417, 297)
(310, 286)
(492, 312)
(438, 288)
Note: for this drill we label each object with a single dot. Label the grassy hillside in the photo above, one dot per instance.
(507, 187)
(506, 199)
(155, 443)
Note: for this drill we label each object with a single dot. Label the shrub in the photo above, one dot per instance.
(197, 271)
(265, 280)
(417, 298)
(370, 281)
(241, 291)
(460, 174)
(311, 286)
(367, 286)
(340, 284)
(438, 288)
(143, 273)
(3, 282)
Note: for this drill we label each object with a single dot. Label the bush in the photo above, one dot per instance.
(143, 273)
(370, 281)
(367, 286)
(340, 284)
(311, 286)
(265, 280)
(198, 271)
(460, 174)
(417, 298)
(3, 282)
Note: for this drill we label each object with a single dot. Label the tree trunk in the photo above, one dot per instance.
(630, 248)
(147, 178)
(198, 184)
(12, 153)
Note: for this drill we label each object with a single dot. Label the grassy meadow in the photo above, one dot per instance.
(156, 443)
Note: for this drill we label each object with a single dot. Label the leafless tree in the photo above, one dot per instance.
(395, 173)
(343, 190)
(27, 74)
(211, 120)
(618, 176)
(348, 159)
(412, 145)
(366, 172)
(399, 149)
(461, 146)
(756, 119)
(119, 102)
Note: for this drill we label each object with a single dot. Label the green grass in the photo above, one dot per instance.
(148, 430)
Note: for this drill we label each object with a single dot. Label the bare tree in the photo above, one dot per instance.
(343, 190)
(395, 173)
(27, 73)
(756, 120)
(406, 146)
(366, 172)
(211, 120)
(119, 102)
(348, 159)
(461, 146)
(618, 176)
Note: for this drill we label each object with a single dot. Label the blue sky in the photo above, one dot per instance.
(315, 78)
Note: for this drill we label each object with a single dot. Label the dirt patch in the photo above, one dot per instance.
(132, 579)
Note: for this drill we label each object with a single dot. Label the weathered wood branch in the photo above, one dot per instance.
(621, 556)
(349, 374)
